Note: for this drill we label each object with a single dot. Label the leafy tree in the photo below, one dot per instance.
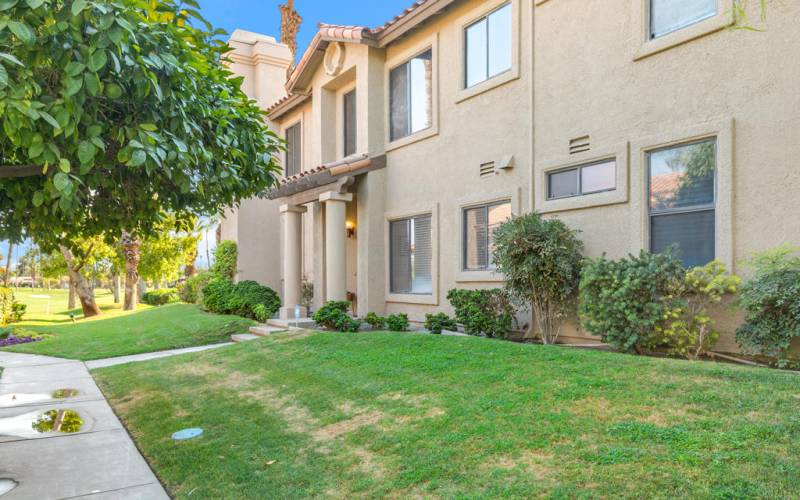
(541, 262)
(226, 257)
(116, 112)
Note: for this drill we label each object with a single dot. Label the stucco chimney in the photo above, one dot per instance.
(263, 62)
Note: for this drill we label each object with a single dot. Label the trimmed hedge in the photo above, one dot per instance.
(435, 323)
(483, 312)
(161, 297)
(333, 316)
(246, 298)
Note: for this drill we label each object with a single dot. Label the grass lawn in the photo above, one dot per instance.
(408, 415)
(118, 333)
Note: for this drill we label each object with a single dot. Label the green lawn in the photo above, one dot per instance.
(407, 415)
(118, 333)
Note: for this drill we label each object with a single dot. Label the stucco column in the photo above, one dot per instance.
(335, 244)
(292, 260)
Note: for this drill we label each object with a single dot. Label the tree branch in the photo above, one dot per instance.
(18, 171)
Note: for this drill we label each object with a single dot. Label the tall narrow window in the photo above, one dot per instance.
(294, 148)
(489, 46)
(411, 256)
(667, 16)
(411, 96)
(480, 223)
(350, 123)
(683, 200)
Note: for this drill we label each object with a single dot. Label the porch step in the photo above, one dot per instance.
(244, 337)
(291, 324)
(265, 330)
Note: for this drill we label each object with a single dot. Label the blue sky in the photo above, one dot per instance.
(262, 16)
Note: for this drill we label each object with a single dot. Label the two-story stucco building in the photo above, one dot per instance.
(642, 123)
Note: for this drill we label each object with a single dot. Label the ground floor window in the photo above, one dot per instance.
(411, 255)
(682, 192)
(480, 224)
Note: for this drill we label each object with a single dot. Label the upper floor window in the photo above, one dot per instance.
(581, 180)
(350, 123)
(488, 46)
(682, 183)
(411, 255)
(667, 16)
(411, 96)
(294, 148)
(480, 223)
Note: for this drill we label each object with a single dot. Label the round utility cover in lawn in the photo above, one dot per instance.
(186, 434)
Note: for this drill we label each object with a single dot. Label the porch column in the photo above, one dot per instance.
(292, 260)
(335, 244)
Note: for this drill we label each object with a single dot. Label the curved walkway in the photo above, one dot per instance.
(99, 461)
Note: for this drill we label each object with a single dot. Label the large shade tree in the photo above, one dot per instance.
(115, 112)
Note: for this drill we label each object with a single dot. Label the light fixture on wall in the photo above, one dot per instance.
(351, 229)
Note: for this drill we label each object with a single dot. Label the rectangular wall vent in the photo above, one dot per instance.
(579, 145)
(487, 169)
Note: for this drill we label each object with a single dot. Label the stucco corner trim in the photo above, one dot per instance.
(398, 298)
(617, 152)
(644, 47)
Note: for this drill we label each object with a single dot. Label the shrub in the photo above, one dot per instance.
(225, 260)
(307, 294)
(627, 302)
(689, 331)
(11, 311)
(374, 321)
(160, 297)
(397, 322)
(217, 296)
(333, 316)
(435, 323)
(191, 291)
(540, 260)
(249, 294)
(771, 302)
(483, 312)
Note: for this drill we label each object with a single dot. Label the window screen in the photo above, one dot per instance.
(480, 224)
(411, 96)
(293, 150)
(488, 46)
(667, 16)
(350, 123)
(682, 201)
(585, 179)
(411, 256)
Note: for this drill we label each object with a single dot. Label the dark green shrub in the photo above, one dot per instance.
(332, 315)
(347, 324)
(483, 312)
(160, 297)
(191, 291)
(397, 322)
(226, 256)
(435, 323)
(627, 302)
(217, 296)
(771, 302)
(249, 294)
(374, 321)
(540, 260)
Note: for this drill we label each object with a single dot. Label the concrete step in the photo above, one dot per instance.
(291, 324)
(265, 330)
(244, 337)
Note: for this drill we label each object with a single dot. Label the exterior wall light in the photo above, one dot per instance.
(351, 229)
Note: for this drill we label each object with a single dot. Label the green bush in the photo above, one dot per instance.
(540, 260)
(160, 297)
(333, 316)
(11, 311)
(397, 322)
(374, 321)
(689, 331)
(435, 323)
(627, 302)
(248, 294)
(226, 256)
(217, 296)
(191, 291)
(771, 302)
(261, 313)
(483, 312)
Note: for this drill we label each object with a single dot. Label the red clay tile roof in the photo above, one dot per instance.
(400, 16)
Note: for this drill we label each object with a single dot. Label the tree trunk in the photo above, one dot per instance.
(115, 286)
(71, 301)
(7, 277)
(142, 288)
(130, 248)
(82, 289)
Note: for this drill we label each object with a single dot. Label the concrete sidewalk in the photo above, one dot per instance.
(98, 461)
(136, 358)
